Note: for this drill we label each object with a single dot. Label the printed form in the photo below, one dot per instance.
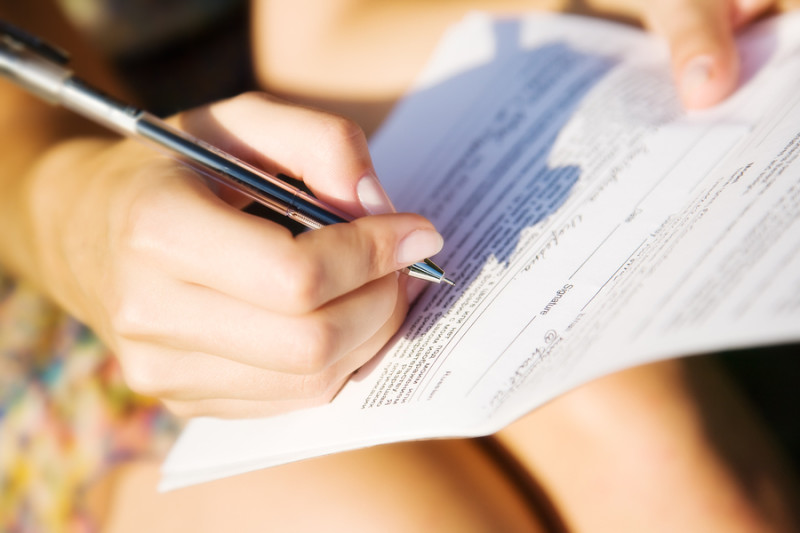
(590, 224)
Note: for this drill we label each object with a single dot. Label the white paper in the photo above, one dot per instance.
(591, 225)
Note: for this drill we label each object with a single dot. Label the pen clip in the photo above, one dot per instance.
(36, 45)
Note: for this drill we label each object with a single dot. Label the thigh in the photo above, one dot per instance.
(437, 486)
(665, 447)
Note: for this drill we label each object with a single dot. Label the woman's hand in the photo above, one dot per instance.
(215, 311)
(700, 34)
(340, 57)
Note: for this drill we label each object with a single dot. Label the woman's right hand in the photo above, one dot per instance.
(210, 309)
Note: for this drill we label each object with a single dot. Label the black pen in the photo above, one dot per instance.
(41, 69)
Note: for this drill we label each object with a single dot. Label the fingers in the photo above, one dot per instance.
(700, 34)
(218, 312)
(745, 11)
(328, 152)
(700, 37)
(189, 317)
(199, 384)
(187, 232)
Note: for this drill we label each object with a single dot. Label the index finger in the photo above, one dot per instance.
(329, 153)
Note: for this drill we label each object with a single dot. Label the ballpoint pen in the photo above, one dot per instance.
(41, 69)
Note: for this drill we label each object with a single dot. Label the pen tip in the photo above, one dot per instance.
(449, 281)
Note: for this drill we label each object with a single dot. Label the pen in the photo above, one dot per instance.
(41, 69)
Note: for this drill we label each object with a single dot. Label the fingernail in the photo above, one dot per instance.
(372, 196)
(696, 74)
(418, 245)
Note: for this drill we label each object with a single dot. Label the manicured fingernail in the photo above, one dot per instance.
(696, 74)
(418, 245)
(372, 196)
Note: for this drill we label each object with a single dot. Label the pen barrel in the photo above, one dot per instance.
(30, 71)
(55, 84)
(220, 166)
(98, 107)
(48, 79)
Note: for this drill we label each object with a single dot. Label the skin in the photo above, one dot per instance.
(399, 488)
(118, 252)
(124, 248)
(673, 447)
(330, 65)
(157, 280)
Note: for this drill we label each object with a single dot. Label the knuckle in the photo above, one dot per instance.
(137, 230)
(379, 254)
(302, 280)
(318, 348)
(129, 319)
(143, 376)
(336, 131)
(143, 230)
(185, 410)
(318, 387)
(147, 225)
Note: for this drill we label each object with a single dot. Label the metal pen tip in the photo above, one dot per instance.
(429, 271)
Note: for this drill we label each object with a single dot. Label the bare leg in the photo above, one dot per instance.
(436, 486)
(666, 447)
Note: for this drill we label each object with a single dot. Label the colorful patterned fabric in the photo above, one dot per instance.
(66, 416)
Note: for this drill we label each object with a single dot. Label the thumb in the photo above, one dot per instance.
(700, 37)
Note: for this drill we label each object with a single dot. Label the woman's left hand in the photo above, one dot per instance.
(700, 34)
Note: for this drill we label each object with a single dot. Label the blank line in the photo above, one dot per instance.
(595, 250)
(500, 356)
(614, 274)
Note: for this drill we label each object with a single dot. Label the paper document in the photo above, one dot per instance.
(590, 224)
